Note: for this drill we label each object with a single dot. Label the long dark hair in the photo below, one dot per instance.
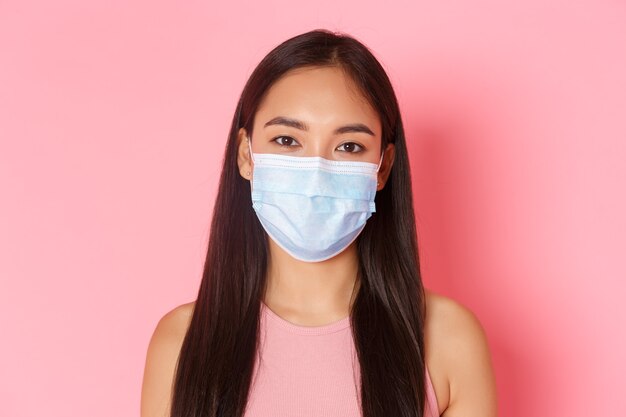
(217, 358)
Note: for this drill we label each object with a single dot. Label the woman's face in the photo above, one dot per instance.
(316, 111)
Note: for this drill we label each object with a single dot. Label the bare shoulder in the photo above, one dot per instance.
(459, 360)
(449, 318)
(173, 325)
(161, 359)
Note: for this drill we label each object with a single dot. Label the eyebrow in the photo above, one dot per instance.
(286, 121)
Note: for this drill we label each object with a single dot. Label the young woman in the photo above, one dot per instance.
(311, 302)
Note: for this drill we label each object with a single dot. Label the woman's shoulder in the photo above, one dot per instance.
(446, 314)
(161, 358)
(172, 327)
(457, 355)
(179, 317)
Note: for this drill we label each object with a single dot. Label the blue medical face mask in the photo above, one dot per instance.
(312, 207)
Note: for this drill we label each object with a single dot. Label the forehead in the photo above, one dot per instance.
(318, 95)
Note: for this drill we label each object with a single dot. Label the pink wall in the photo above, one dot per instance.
(113, 118)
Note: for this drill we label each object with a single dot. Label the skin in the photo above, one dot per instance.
(318, 293)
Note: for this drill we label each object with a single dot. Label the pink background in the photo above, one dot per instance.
(113, 120)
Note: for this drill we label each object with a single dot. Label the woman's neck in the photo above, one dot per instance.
(311, 293)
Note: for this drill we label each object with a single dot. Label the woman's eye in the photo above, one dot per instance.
(285, 140)
(350, 147)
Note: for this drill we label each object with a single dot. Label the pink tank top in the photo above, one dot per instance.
(309, 371)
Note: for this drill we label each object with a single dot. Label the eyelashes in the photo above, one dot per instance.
(277, 140)
(352, 147)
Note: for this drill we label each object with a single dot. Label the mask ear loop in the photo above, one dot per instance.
(381, 160)
(378, 167)
(250, 148)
